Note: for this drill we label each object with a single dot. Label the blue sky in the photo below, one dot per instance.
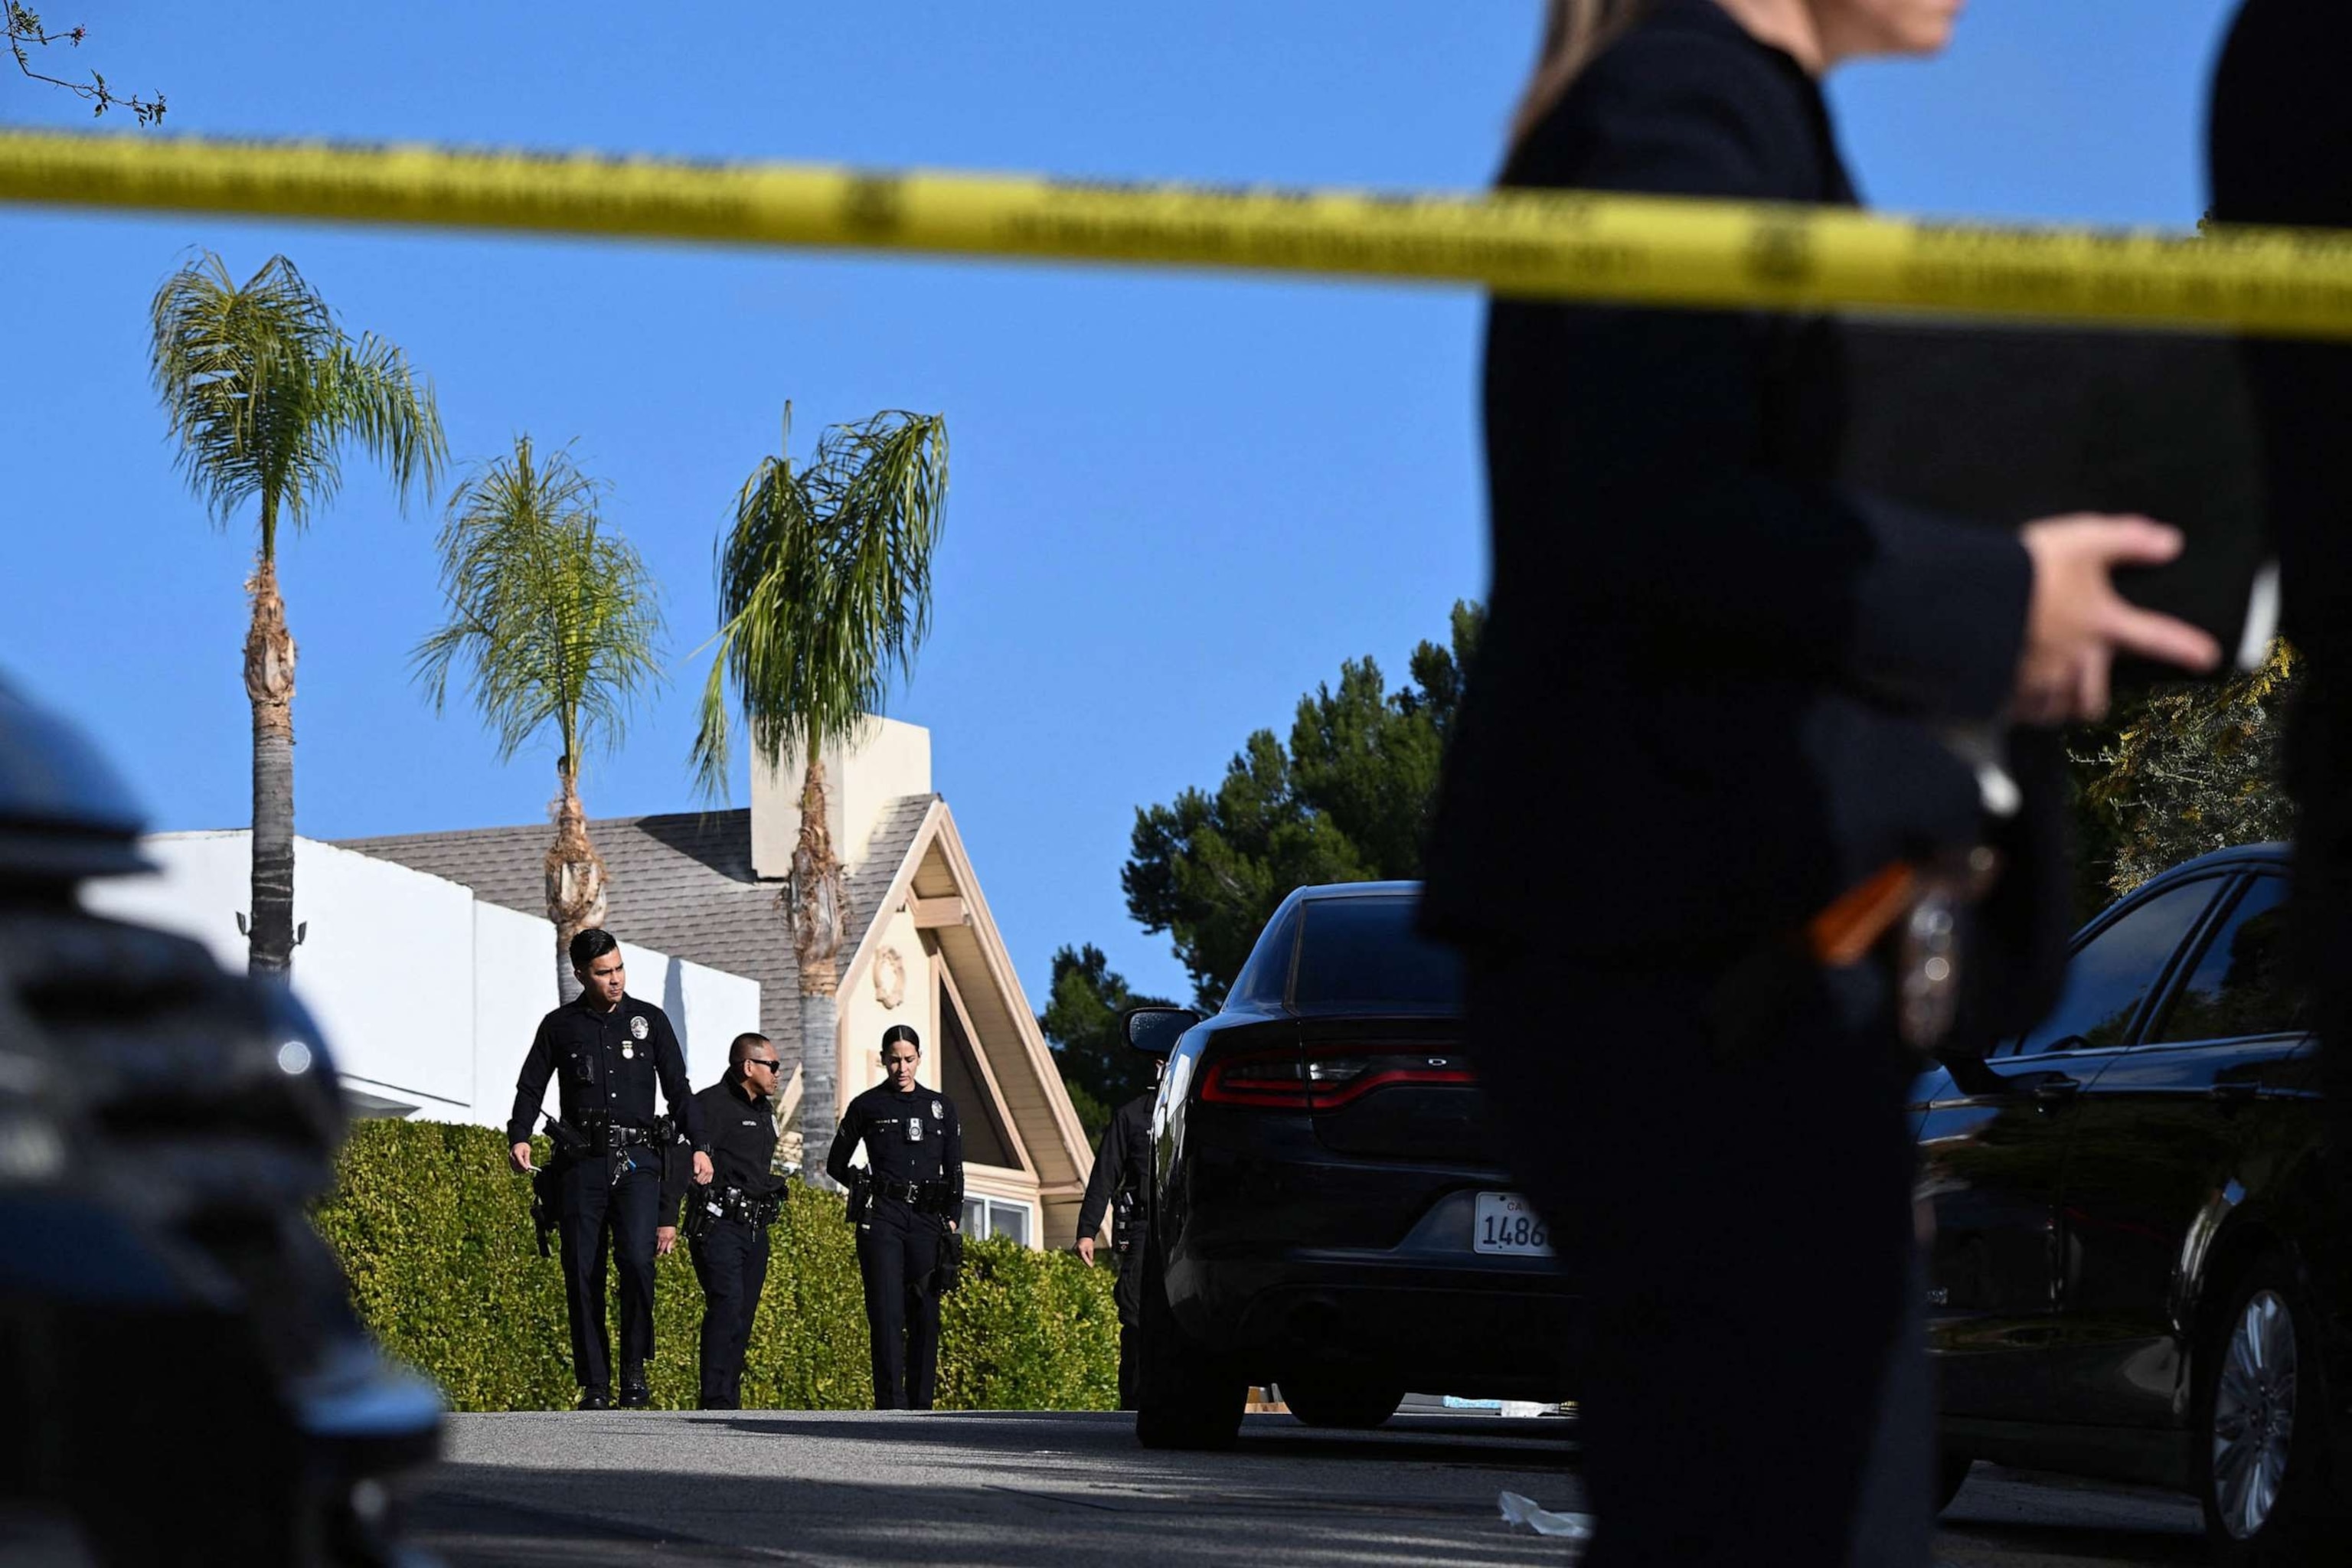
(1178, 501)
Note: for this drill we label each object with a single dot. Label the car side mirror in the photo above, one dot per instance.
(1155, 1030)
(1968, 1071)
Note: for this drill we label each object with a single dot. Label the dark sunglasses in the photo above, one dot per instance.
(771, 1063)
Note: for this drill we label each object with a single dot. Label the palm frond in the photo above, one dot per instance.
(554, 621)
(824, 585)
(261, 390)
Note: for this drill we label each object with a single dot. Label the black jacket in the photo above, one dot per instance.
(879, 1119)
(742, 1133)
(2281, 151)
(611, 1060)
(1703, 704)
(1123, 1163)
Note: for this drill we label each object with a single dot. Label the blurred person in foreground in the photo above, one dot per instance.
(1727, 681)
(2280, 154)
(2280, 149)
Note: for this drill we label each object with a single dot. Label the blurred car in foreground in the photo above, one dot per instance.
(182, 1376)
(2142, 1269)
(1324, 1213)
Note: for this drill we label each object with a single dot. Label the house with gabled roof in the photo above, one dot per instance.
(920, 948)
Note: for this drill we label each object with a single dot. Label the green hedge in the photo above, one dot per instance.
(434, 1232)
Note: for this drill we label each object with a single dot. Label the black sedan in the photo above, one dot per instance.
(2141, 1267)
(1323, 1212)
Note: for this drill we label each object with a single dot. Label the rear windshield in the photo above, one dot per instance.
(1363, 953)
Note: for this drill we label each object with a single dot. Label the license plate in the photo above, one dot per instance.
(1506, 1223)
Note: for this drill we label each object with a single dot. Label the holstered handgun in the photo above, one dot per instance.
(861, 1195)
(704, 1203)
(569, 1141)
(947, 1273)
(543, 1205)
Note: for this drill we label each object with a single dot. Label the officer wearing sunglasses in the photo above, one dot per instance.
(728, 1212)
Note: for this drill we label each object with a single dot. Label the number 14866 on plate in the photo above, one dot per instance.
(1507, 1222)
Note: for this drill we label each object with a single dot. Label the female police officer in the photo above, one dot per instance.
(904, 1203)
(1725, 674)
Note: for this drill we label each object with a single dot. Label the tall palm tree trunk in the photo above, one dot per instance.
(575, 876)
(269, 686)
(816, 901)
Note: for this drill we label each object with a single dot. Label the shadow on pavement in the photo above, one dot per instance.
(1475, 1442)
(471, 1516)
(2069, 1542)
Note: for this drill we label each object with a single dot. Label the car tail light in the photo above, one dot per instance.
(1328, 1077)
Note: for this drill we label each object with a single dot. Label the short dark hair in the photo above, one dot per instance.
(741, 1048)
(896, 1032)
(590, 945)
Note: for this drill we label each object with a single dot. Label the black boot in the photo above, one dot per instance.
(594, 1399)
(635, 1392)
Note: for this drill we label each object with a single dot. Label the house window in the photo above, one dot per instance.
(994, 1217)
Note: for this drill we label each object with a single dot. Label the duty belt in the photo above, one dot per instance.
(921, 1195)
(710, 1203)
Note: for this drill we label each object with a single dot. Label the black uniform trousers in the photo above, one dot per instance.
(1740, 1226)
(590, 1204)
(896, 1250)
(1128, 1297)
(731, 1259)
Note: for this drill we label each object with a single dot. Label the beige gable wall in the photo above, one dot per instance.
(935, 917)
(885, 762)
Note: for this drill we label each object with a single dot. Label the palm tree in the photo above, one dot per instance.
(264, 391)
(556, 622)
(824, 594)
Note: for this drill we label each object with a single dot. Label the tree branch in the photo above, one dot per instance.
(25, 27)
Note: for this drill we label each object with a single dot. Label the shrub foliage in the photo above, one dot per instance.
(435, 1233)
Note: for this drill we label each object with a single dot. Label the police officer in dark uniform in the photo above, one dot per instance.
(605, 1050)
(1122, 1166)
(726, 1218)
(907, 1201)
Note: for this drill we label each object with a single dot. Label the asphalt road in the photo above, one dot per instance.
(1020, 1488)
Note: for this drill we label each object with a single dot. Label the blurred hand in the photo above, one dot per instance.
(519, 1157)
(1086, 1250)
(665, 1238)
(702, 1172)
(2076, 623)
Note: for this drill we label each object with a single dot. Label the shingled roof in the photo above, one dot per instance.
(681, 883)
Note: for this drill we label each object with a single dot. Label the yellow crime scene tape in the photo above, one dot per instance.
(1634, 249)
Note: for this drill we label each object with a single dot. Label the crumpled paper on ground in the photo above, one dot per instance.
(1523, 1511)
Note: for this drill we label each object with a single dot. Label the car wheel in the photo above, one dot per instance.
(1352, 1407)
(1189, 1398)
(2262, 1460)
(1951, 1475)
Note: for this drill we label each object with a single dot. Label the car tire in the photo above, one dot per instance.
(2264, 1466)
(1951, 1475)
(1189, 1398)
(1348, 1406)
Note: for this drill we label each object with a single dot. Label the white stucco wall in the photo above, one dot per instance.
(427, 996)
